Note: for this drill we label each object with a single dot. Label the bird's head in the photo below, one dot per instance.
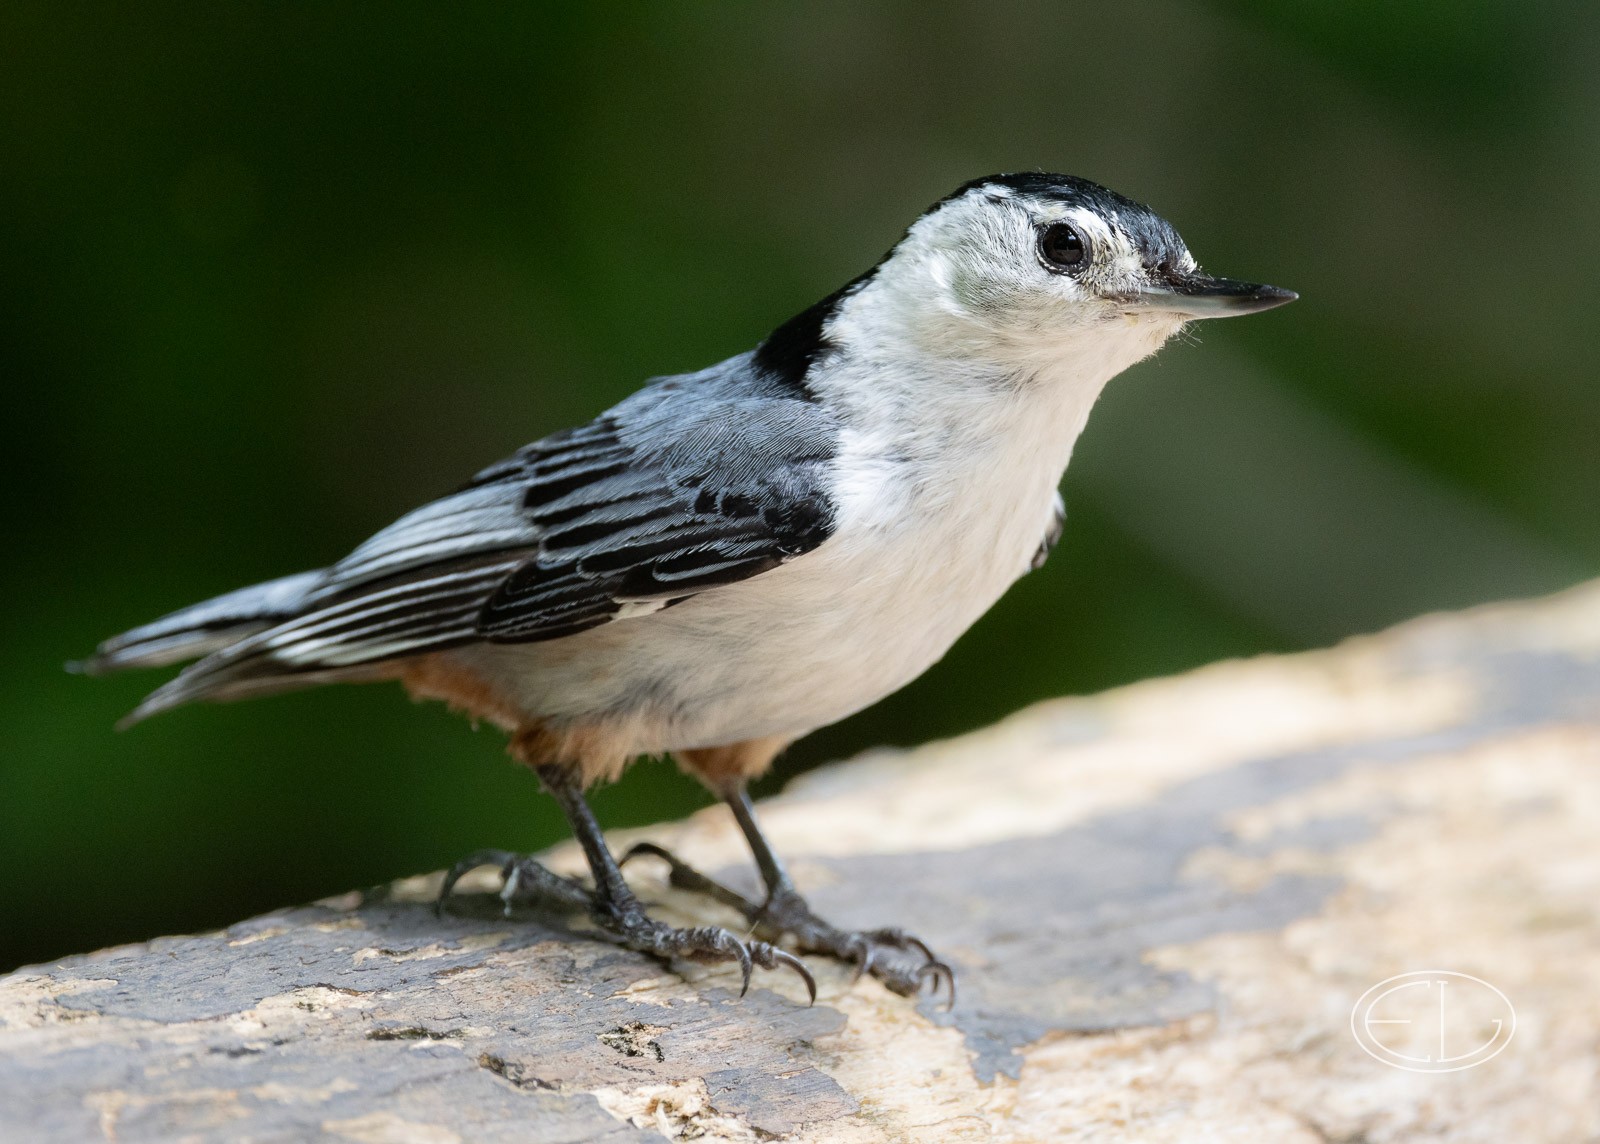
(1029, 268)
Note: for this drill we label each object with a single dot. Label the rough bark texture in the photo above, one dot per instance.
(1163, 903)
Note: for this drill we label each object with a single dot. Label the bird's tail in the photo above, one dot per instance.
(204, 628)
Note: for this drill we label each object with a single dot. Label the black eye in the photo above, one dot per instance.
(1062, 247)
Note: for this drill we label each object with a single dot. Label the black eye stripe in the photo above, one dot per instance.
(1062, 248)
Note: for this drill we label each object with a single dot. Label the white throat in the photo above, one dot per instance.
(962, 403)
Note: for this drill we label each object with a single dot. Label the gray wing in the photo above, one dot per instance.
(693, 503)
(693, 483)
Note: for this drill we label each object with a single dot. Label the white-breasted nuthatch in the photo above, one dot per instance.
(730, 559)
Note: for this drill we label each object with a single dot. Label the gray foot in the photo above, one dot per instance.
(525, 881)
(903, 963)
(625, 919)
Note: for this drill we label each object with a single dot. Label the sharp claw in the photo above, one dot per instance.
(862, 954)
(939, 971)
(745, 965)
(900, 939)
(465, 866)
(799, 967)
(771, 957)
(647, 848)
(682, 876)
(513, 875)
(523, 880)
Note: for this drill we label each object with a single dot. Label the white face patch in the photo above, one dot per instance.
(1115, 265)
(971, 274)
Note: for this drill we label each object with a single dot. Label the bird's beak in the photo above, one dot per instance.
(1199, 295)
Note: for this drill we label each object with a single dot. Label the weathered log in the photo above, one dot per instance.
(1163, 903)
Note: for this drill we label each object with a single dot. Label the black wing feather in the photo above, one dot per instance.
(630, 525)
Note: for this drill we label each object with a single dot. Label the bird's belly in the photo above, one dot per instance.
(865, 632)
(783, 653)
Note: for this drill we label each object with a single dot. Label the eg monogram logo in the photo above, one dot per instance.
(1433, 1020)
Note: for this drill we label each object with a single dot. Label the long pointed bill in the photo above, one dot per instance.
(1202, 296)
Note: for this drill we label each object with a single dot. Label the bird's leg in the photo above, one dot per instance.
(880, 952)
(903, 963)
(611, 904)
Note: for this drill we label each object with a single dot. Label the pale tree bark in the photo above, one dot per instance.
(1163, 904)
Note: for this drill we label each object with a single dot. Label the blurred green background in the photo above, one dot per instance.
(271, 275)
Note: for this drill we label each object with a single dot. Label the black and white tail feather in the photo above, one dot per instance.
(203, 628)
(693, 483)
